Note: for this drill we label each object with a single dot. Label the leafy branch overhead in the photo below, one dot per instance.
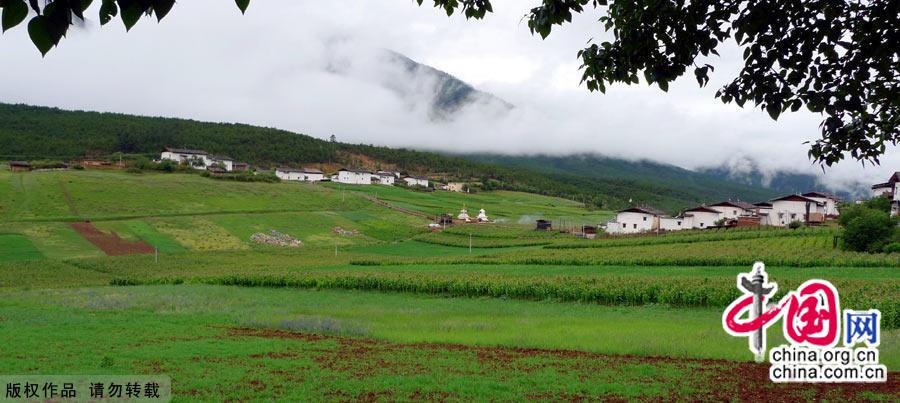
(52, 20)
(840, 58)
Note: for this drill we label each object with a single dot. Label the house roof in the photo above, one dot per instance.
(701, 209)
(301, 170)
(882, 185)
(796, 198)
(356, 170)
(221, 158)
(822, 195)
(738, 204)
(763, 204)
(417, 178)
(385, 174)
(644, 210)
(185, 151)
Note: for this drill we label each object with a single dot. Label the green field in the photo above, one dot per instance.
(374, 306)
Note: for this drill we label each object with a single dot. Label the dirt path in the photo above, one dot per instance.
(110, 243)
(65, 191)
(683, 379)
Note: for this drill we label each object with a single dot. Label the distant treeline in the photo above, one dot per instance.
(29, 132)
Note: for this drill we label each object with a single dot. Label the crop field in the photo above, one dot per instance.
(374, 306)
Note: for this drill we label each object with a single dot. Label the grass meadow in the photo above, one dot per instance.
(384, 309)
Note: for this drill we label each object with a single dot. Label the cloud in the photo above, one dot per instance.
(314, 67)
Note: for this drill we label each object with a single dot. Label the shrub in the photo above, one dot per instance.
(868, 230)
(795, 225)
(893, 247)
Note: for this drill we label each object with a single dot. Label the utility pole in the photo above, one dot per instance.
(470, 242)
(156, 255)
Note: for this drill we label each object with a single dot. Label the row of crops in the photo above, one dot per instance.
(808, 251)
(701, 236)
(607, 289)
(462, 241)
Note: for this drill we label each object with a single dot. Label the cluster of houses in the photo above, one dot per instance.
(350, 177)
(808, 208)
(199, 159)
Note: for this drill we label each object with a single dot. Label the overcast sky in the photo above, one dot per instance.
(274, 67)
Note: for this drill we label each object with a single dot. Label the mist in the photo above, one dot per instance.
(319, 68)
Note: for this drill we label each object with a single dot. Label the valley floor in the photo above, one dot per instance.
(375, 307)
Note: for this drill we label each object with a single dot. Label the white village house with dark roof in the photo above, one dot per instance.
(353, 177)
(384, 178)
(831, 202)
(764, 211)
(888, 189)
(702, 216)
(891, 190)
(197, 159)
(788, 209)
(734, 209)
(416, 181)
(635, 220)
(301, 174)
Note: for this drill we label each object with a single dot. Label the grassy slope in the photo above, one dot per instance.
(28, 132)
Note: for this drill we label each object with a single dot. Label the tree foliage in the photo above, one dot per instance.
(867, 228)
(840, 58)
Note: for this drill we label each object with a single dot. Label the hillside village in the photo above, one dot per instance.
(803, 209)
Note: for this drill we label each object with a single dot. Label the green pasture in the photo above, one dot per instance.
(103, 195)
(15, 247)
(211, 341)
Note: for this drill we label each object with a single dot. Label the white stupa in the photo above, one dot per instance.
(464, 215)
(482, 216)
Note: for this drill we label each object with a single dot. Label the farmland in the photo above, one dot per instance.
(374, 306)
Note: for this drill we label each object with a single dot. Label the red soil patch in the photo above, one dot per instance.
(713, 380)
(110, 243)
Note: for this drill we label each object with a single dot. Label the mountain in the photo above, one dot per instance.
(31, 132)
(746, 171)
(442, 96)
(640, 181)
(451, 95)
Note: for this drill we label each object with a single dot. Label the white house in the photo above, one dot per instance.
(702, 216)
(303, 174)
(383, 178)
(675, 223)
(416, 181)
(226, 162)
(354, 177)
(732, 210)
(831, 202)
(788, 209)
(764, 211)
(891, 190)
(634, 220)
(197, 159)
